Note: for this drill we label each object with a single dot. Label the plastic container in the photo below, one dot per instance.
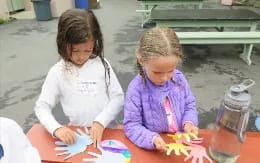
(42, 9)
(81, 4)
(231, 123)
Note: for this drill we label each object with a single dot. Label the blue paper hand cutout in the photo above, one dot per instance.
(81, 144)
(257, 123)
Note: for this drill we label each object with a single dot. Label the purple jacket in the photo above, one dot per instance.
(144, 113)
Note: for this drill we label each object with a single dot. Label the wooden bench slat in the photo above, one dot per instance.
(245, 38)
(203, 14)
(218, 41)
(219, 37)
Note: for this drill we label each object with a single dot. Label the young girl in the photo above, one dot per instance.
(159, 99)
(82, 81)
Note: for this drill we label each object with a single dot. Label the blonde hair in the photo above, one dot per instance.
(158, 42)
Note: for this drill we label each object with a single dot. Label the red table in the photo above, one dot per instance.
(44, 142)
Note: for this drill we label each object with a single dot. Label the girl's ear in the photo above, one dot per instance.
(140, 60)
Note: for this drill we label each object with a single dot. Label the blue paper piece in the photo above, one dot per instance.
(1, 151)
(257, 123)
(81, 144)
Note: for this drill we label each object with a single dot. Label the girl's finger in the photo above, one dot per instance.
(162, 150)
(165, 149)
(188, 129)
(86, 130)
(95, 139)
(72, 138)
(98, 138)
(159, 147)
(69, 136)
(91, 133)
(65, 139)
(195, 131)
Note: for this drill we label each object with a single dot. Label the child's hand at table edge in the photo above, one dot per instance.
(190, 128)
(160, 144)
(65, 134)
(96, 132)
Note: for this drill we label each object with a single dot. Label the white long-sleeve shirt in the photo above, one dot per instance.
(82, 94)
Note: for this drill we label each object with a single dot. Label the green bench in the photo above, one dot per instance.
(148, 5)
(213, 18)
(245, 38)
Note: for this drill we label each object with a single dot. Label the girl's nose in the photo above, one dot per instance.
(165, 77)
(82, 55)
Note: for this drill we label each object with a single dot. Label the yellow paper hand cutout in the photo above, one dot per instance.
(178, 147)
(179, 136)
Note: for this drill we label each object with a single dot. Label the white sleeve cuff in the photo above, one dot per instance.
(102, 120)
(53, 128)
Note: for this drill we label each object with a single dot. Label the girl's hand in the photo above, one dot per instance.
(190, 128)
(160, 144)
(66, 135)
(96, 132)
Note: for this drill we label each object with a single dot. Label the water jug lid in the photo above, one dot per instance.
(237, 96)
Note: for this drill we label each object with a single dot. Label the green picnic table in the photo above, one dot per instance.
(147, 5)
(215, 18)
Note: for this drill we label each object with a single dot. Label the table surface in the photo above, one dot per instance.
(44, 142)
(203, 14)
